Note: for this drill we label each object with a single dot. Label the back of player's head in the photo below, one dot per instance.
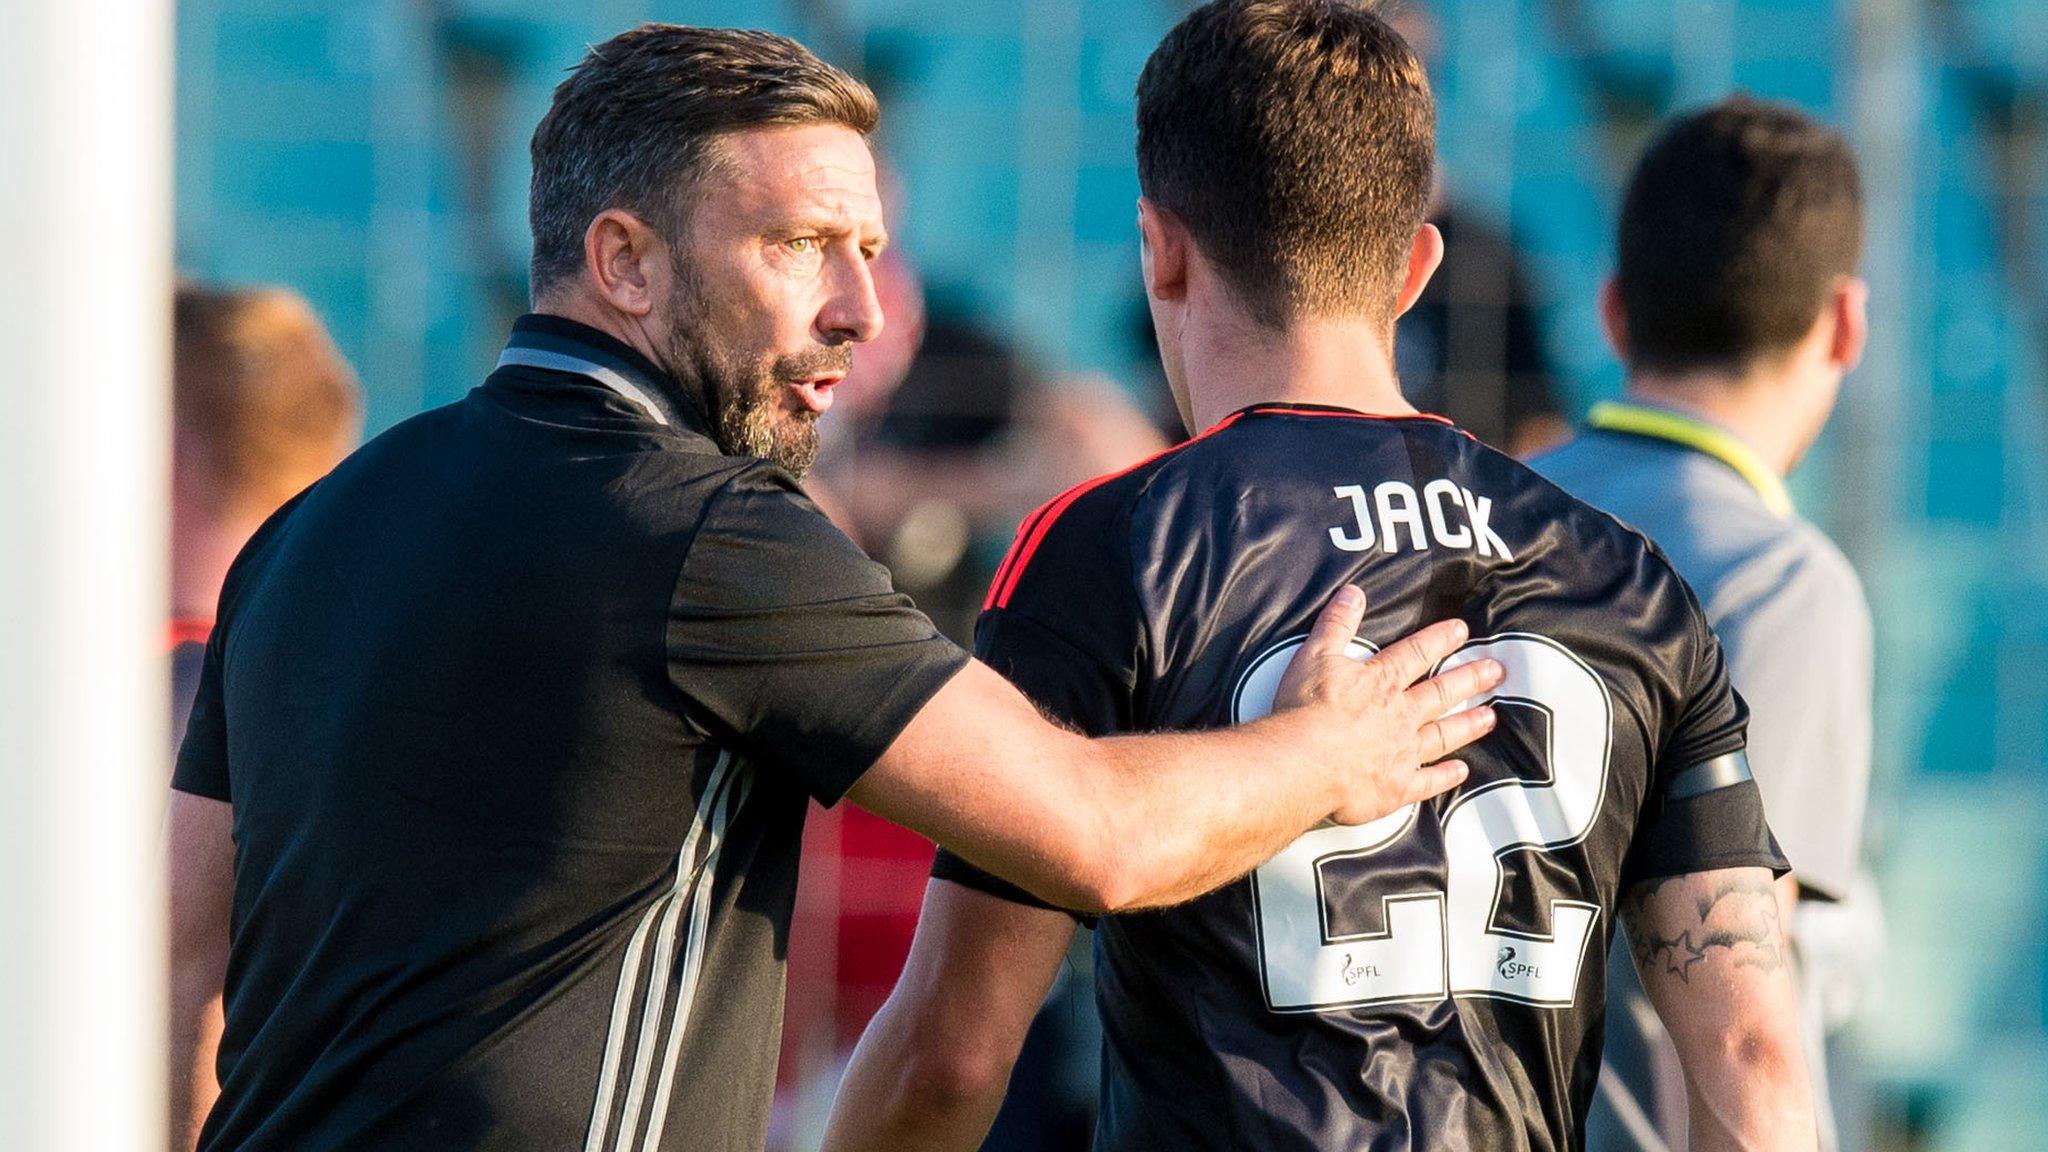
(262, 402)
(1736, 225)
(637, 121)
(1295, 140)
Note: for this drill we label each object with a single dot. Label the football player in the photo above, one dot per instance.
(1434, 979)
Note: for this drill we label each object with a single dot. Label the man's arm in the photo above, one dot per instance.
(932, 1069)
(199, 844)
(1711, 951)
(1145, 821)
(789, 646)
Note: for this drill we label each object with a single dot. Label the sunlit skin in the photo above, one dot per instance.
(778, 241)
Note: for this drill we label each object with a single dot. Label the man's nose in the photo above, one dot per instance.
(853, 313)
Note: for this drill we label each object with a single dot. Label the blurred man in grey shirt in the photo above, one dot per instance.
(1737, 311)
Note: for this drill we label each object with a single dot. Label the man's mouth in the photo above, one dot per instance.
(815, 392)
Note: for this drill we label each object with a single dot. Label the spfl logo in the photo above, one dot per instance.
(1353, 973)
(1507, 966)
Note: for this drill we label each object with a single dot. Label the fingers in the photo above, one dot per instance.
(1439, 738)
(1337, 623)
(1440, 693)
(1434, 780)
(1407, 660)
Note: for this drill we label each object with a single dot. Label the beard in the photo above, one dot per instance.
(744, 392)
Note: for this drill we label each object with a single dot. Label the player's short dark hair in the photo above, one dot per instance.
(1737, 223)
(635, 124)
(1295, 139)
(262, 403)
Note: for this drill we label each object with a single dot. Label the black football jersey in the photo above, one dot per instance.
(1434, 979)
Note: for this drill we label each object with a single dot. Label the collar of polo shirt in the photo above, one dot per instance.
(557, 345)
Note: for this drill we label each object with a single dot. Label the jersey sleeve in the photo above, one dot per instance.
(1066, 635)
(1703, 810)
(790, 644)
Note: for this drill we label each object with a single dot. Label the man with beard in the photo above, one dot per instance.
(486, 821)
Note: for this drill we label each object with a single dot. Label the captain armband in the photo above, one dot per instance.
(1724, 771)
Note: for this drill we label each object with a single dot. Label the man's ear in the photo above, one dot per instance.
(1425, 252)
(623, 258)
(1614, 319)
(1162, 251)
(1849, 303)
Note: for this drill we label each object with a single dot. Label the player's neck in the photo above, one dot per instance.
(1341, 363)
(1753, 411)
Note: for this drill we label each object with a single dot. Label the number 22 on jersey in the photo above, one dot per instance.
(1444, 942)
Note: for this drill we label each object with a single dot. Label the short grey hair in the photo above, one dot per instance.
(634, 126)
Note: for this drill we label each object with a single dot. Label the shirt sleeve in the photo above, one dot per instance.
(791, 645)
(1067, 639)
(1703, 810)
(1803, 651)
(202, 761)
(202, 767)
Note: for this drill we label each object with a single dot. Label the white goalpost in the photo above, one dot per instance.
(85, 239)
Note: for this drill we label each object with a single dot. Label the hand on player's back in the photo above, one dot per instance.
(1388, 732)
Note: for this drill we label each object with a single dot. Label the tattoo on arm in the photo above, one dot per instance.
(1671, 936)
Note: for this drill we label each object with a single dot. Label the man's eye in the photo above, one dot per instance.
(804, 245)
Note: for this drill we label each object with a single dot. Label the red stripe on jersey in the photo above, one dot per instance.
(1016, 549)
(189, 630)
(1035, 527)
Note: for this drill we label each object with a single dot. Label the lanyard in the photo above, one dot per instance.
(1701, 437)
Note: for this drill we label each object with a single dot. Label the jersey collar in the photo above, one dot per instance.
(558, 344)
(1707, 439)
(1304, 408)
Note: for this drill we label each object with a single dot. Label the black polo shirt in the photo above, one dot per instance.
(518, 711)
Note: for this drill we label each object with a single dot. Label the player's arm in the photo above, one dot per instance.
(1130, 822)
(1703, 913)
(932, 1069)
(199, 844)
(1711, 950)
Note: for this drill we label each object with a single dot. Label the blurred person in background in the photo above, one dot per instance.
(946, 434)
(262, 405)
(1737, 310)
(1472, 347)
(973, 438)
(1434, 982)
(488, 811)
